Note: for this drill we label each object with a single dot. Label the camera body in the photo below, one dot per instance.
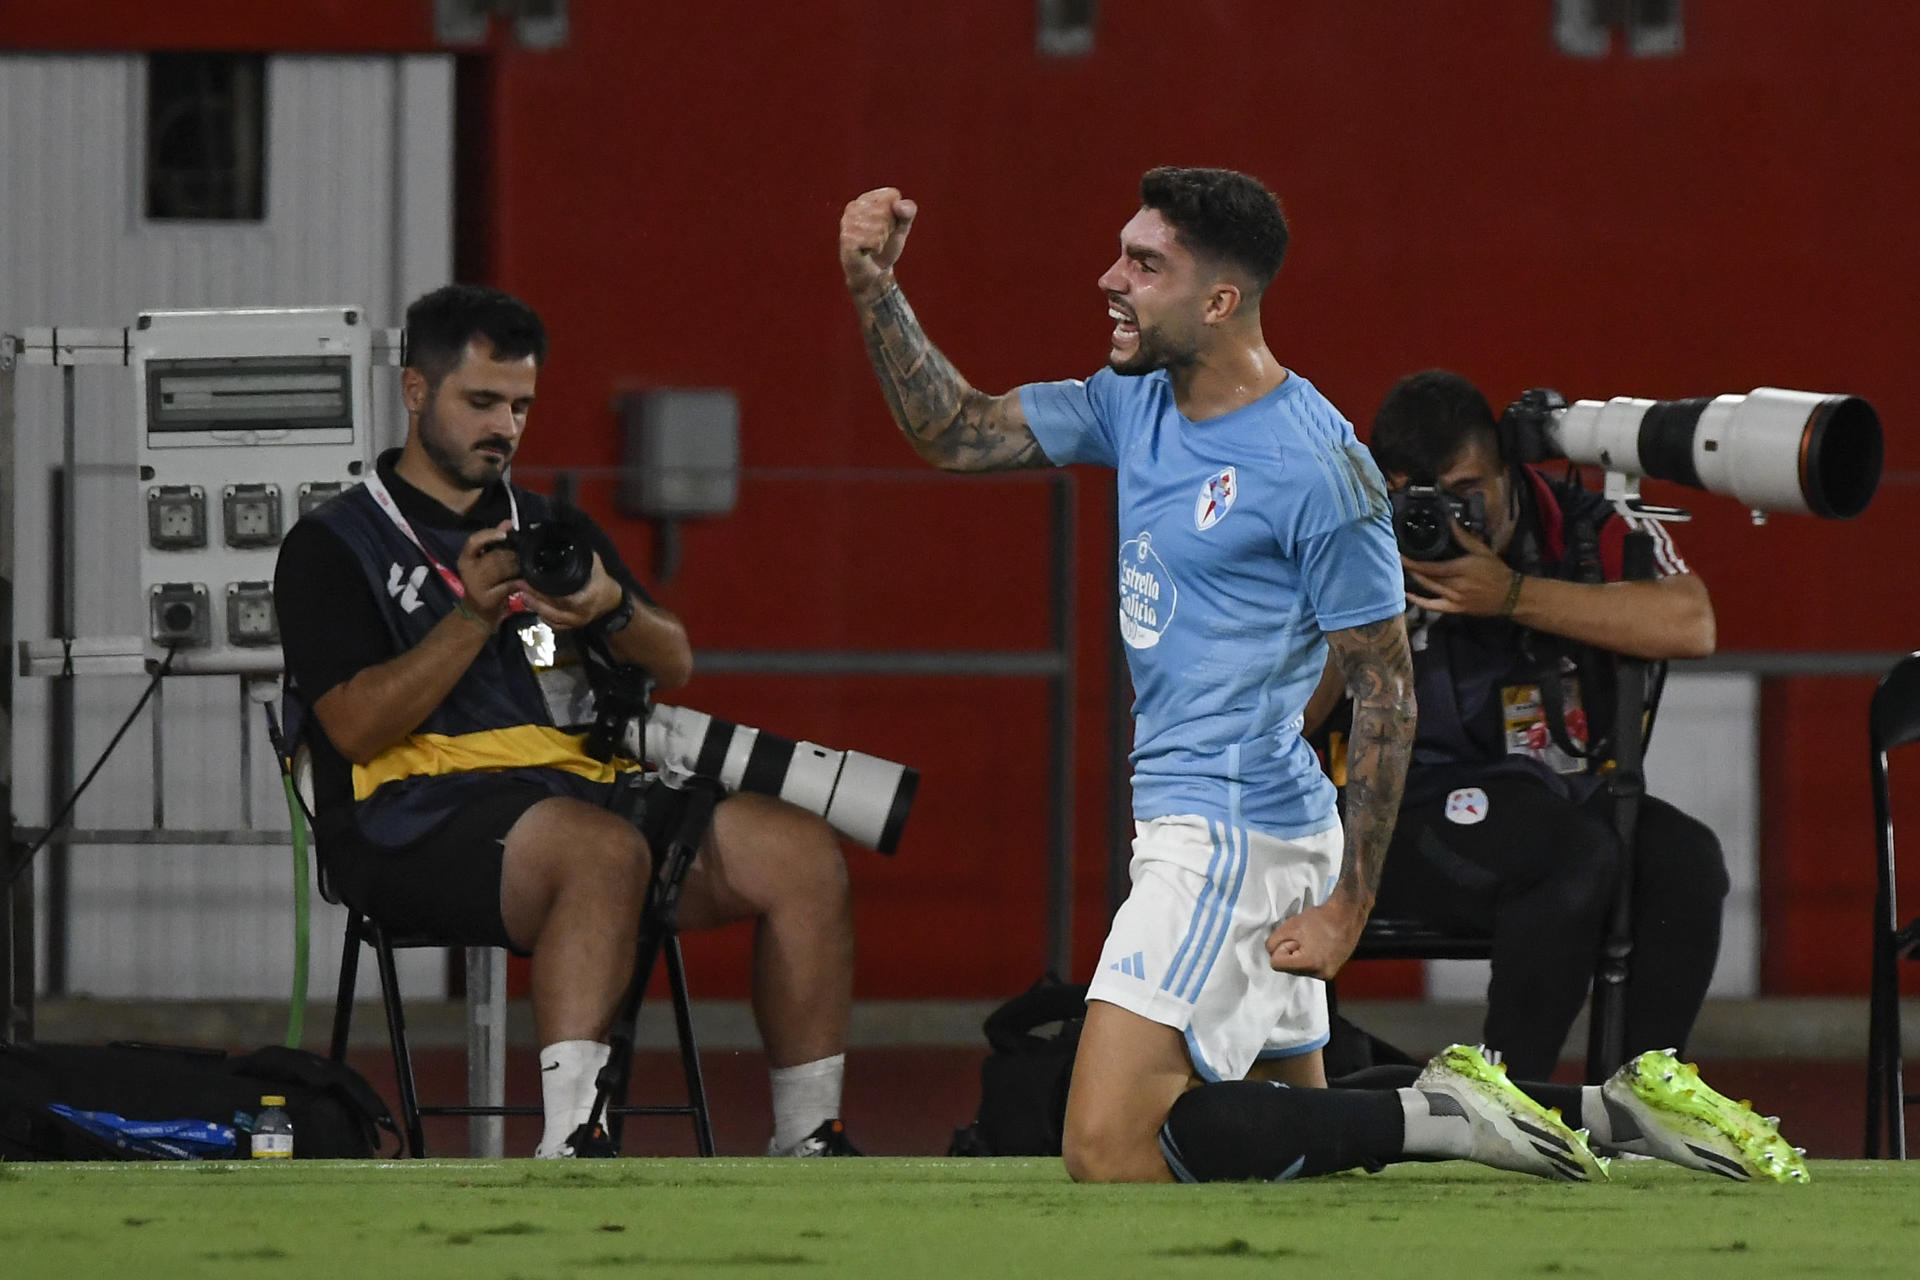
(1423, 516)
(556, 559)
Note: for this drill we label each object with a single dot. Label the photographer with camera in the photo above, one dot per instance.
(416, 612)
(1516, 602)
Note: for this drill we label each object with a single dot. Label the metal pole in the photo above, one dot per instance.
(19, 957)
(13, 904)
(1627, 785)
(486, 1050)
(156, 712)
(61, 726)
(1060, 768)
(246, 758)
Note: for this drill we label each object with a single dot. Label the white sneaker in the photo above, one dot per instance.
(1682, 1119)
(830, 1139)
(1510, 1130)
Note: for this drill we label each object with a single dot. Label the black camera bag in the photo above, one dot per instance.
(335, 1112)
(1023, 1082)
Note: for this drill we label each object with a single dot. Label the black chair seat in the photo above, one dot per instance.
(1387, 938)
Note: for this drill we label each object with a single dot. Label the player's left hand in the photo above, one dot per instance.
(1475, 583)
(1316, 942)
(565, 613)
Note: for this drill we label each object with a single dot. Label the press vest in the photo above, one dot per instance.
(494, 724)
(1461, 664)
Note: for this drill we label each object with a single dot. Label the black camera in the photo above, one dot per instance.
(1423, 516)
(556, 558)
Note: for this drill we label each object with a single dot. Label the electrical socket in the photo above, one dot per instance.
(250, 616)
(252, 514)
(177, 614)
(176, 517)
(317, 493)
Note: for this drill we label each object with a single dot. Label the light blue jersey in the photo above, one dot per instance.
(1243, 539)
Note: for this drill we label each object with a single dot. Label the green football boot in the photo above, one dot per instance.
(1683, 1119)
(1510, 1130)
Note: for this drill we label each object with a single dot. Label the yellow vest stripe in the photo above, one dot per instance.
(521, 746)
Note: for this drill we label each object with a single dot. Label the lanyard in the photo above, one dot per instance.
(378, 489)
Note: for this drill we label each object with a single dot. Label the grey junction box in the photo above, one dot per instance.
(681, 452)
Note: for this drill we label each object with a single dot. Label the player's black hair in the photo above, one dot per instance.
(441, 324)
(1426, 420)
(1221, 214)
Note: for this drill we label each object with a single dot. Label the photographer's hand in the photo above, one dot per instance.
(490, 573)
(653, 638)
(1670, 617)
(600, 595)
(381, 704)
(1477, 583)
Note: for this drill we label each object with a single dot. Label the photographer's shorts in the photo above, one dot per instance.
(445, 885)
(1188, 948)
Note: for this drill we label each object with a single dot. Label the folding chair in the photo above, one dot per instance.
(675, 830)
(1893, 721)
(1390, 938)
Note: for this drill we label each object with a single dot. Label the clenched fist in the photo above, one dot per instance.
(873, 232)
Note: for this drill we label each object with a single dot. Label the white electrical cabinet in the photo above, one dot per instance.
(247, 419)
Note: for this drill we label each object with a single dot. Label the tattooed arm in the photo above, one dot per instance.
(1379, 674)
(948, 422)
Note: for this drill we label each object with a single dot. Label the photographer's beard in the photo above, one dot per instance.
(467, 466)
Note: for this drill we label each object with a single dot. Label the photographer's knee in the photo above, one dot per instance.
(612, 858)
(819, 864)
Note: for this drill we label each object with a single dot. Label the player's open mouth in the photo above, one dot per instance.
(1125, 327)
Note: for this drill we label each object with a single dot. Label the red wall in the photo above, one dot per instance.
(666, 190)
(1461, 195)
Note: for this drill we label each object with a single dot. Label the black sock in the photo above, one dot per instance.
(1387, 1076)
(1241, 1130)
(1566, 1097)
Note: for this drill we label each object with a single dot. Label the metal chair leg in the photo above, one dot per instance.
(689, 1048)
(397, 1036)
(343, 995)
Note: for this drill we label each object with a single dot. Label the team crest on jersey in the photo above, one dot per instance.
(1216, 499)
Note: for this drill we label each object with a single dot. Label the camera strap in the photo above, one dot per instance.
(377, 487)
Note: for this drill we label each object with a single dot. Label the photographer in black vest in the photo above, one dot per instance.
(451, 802)
(1515, 604)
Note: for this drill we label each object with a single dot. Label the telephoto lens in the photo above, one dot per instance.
(1772, 449)
(864, 798)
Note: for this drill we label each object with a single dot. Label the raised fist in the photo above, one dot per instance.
(873, 232)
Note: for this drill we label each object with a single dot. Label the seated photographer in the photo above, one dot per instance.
(1501, 828)
(450, 804)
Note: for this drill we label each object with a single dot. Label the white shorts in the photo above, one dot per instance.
(1188, 948)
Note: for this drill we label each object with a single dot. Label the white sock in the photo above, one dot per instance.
(804, 1098)
(1447, 1136)
(567, 1072)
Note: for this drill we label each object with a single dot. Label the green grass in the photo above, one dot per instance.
(902, 1218)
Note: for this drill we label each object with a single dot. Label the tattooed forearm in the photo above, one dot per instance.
(1379, 674)
(948, 422)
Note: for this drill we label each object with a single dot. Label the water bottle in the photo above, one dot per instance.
(273, 1130)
